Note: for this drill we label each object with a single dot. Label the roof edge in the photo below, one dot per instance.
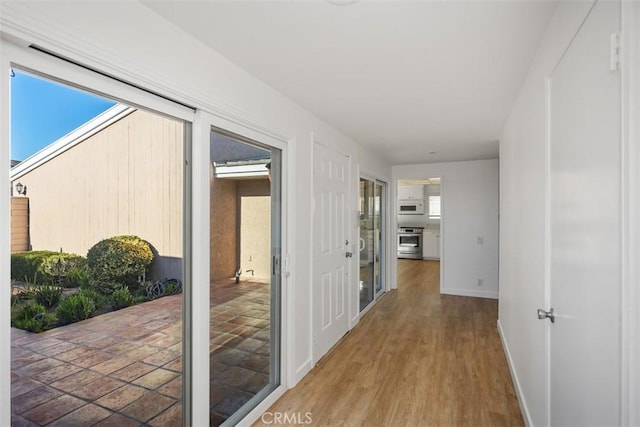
(71, 139)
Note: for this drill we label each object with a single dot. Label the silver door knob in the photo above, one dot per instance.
(546, 315)
(348, 255)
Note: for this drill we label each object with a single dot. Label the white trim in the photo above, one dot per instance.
(514, 377)
(242, 171)
(200, 226)
(630, 297)
(71, 139)
(5, 245)
(470, 293)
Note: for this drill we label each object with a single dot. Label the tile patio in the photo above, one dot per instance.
(124, 368)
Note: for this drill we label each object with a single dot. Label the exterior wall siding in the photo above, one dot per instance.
(126, 179)
(19, 224)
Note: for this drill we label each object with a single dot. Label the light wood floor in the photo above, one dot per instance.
(417, 358)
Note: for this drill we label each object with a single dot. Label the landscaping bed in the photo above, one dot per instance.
(51, 289)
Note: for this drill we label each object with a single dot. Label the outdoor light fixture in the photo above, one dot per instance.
(21, 189)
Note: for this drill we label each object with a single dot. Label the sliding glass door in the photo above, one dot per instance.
(371, 241)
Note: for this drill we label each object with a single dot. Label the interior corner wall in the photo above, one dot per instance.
(522, 218)
(469, 192)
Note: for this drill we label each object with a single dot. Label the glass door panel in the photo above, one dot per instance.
(244, 298)
(367, 238)
(378, 241)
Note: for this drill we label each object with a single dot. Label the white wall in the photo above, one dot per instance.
(469, 193)
(129, 41)
(522, 218)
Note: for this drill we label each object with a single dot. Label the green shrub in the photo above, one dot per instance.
(75, 308)
(121, 259)
(43, 267)
(77, 277)
(99, 299)
(33, 317)
(121, 298)
(47, 295)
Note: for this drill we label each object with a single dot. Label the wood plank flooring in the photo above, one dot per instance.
(417, 358)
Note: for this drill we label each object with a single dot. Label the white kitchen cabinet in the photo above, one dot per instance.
(431, 244)
(411, 192)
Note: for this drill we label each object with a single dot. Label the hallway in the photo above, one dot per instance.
(417, 358)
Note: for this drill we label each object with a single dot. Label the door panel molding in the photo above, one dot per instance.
(631, 213)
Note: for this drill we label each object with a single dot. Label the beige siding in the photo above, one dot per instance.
(19, 224)
(126, 179)
(224, 228)
(255, 228)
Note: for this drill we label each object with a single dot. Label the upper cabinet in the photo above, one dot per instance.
(411, 192)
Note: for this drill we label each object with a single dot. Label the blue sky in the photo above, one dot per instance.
(43, 111)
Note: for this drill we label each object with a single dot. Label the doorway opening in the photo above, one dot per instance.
(419, 225)
(245, 249)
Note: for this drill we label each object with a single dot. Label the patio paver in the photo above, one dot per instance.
(125, 367)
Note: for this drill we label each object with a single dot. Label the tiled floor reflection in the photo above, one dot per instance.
(125, 368)
(239, 345)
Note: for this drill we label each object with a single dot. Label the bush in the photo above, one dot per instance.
(33, 318)
(121, 259)
(121, 298)
(77, 277)
(43, 267)
(75, 308)
(48, 296)
(98, 299)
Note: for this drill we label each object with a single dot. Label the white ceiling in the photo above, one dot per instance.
(405, 78)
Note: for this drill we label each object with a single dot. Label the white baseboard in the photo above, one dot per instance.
(514, 378)
(470, 293)
(300, 373)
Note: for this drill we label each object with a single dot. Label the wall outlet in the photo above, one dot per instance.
(480, 282)
(480, 240)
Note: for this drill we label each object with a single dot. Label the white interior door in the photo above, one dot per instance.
(330, 235)
(585, 227)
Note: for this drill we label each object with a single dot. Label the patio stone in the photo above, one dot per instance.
(173, 388)
(117, 420)
(73, 381)
(111, 365)
(156, 378)
(58, 348)
(132, 371)
(91, 359)
(33, 398)
(148, 406)
(141, 352)
(39, 366)
(53, 374)
(36, 345)
(232, 403)
(97, 388)
(218, 393)
(171, 417)
(256, 383)
(230, 356)
(160, 358)
(75, 353)
(255, 362)
(53, 409)
(85, 416)
(121, 397)
(175, 365)
(23, 385)
(250, 344)
(18, 421)
(234, 376)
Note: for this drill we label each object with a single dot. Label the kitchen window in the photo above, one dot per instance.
(434, 207)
